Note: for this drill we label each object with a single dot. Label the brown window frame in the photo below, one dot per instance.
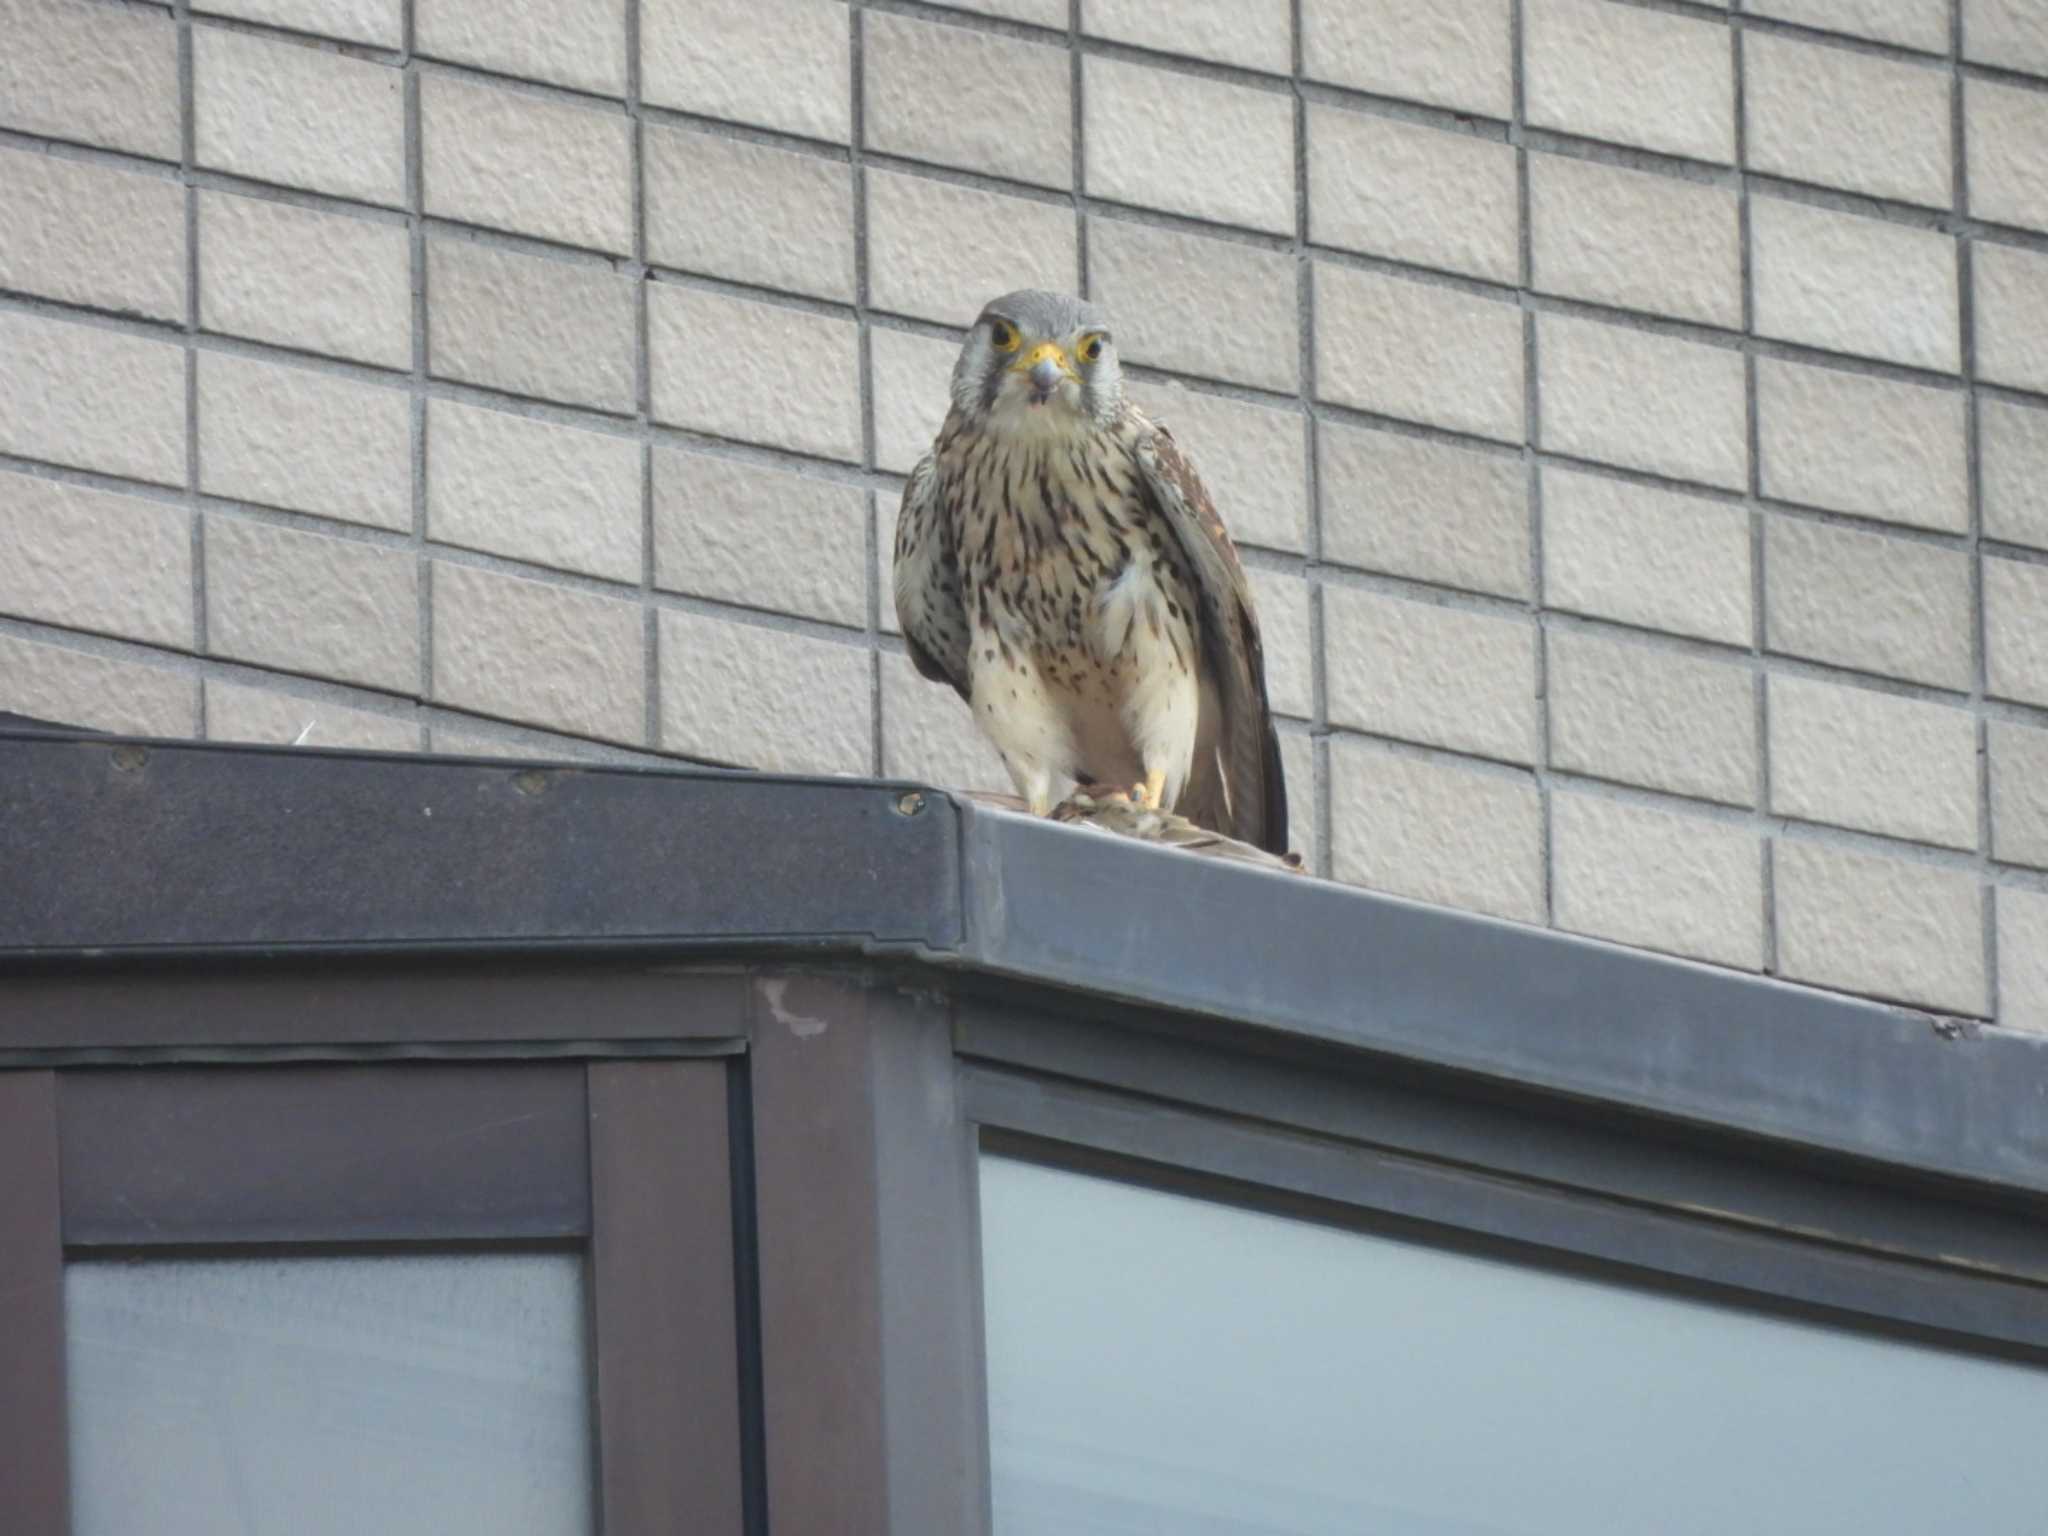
(624, 1161)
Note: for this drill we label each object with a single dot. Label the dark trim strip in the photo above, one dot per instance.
(1332, 1093)
(35, 1478)
(662, 1261)
(1966, 1311)
(251, 1004)
(416, 1153)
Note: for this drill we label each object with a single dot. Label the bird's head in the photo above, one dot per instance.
(1039, 364)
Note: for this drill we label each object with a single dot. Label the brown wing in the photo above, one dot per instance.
(1237, 788)
(927, 581)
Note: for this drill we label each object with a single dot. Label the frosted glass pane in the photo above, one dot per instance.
(1161, 1364)
(329, 1396)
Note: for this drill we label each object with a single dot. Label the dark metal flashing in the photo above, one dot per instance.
(113, 849)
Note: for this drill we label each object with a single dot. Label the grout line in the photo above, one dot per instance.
(1322, 857)
(1076, 86)
(643, 390)
(856, 21)
(416, 242)
(1753, 501)
(1543, 768)
(188, 132)
(1974, 467)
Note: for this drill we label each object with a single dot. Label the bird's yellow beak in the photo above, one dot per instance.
(1045, 365)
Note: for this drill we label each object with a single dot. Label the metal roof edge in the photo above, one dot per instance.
(1504, 1001)
(120, 847)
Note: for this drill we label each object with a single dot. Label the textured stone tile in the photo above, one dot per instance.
(87, 234)
(300, 117)
(1643, 400)
(1454, 53)
(2022, 959)
(1419, 352)
(761, 537)
(1674, 883)
(2019, 794)
(1919, 24)
(928, 734)
(580, 43)
(78, 394)
(1425, 195)
(510, 160)
(235, 713)
(1435, 831)
(310, 442)
(909, 377)
(2012, 34)
(94, 74)
(1194, 305)
(941, 251)
(1640, 714)
(749, 212)
(304, 603)
(1281, 602)
(1256, 34)
(48, 682)
(1633, 76)
(2013, 449)
(1160, 139)
(1253, 459)
(1883, 927)
(1867, 602)
(1649, 557)
(801, 389)
(2010, 287)
(774, 63)
(764, 698)
(1851, 284)
(84, 559)
(534, 491)
(2007, 134)
(320, 282)
(1873, 762)
(378, 22)
(1635, 240)
(1853, 443)
(1848, 119)
(530, 326)
(1415, 507)
(530, 650)
(954, 96)
(2016, 630)
(1440, 676)
(887, 508)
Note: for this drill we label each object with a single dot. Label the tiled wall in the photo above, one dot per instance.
(1635, 414)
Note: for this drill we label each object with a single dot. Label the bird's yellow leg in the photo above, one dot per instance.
(1153, 790)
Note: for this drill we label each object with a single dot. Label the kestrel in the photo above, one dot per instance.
(1060, 564)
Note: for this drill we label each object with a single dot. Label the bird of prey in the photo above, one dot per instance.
(1060, 564)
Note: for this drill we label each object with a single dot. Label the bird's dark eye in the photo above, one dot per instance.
(1003, 336)
(1090, 350)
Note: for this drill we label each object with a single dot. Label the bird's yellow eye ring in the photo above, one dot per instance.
(1003, 336)
(1090, 350)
